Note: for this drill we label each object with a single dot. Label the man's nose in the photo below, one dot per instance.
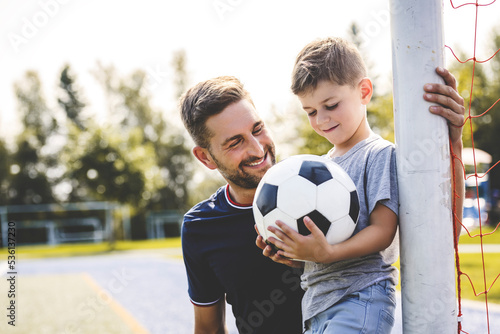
(256, 147)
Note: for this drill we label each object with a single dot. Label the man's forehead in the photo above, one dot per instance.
(236, 118)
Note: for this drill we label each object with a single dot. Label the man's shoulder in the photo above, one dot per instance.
(216, 202)
(212, 200)
(217, 208)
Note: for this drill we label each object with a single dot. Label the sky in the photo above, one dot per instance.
(254, 40)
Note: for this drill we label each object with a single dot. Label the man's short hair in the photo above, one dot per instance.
(206, 99)
(332, 59)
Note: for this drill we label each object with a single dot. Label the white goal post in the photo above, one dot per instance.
(424, 175)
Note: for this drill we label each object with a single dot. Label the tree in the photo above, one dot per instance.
(70, 99)
(35, 157)
(172, 153)
(381, 117)
(110, 162)
(4, 172)
(136, 158)
(101, 169)
(474, 102)
(485, 95)
(166, 177)
(380, 110)
(179, 63)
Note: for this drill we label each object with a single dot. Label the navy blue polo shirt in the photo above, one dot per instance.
(221, 258)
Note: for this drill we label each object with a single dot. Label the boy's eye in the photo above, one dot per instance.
(332, 106)
(311, 113)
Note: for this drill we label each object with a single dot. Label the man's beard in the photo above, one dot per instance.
(238, 176)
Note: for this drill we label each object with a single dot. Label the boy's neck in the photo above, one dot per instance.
(361, 134)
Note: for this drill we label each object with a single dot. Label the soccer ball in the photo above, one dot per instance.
(307, 185)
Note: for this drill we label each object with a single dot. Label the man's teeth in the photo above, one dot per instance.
(256, 162)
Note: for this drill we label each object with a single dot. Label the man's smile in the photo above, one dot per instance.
(256, 163)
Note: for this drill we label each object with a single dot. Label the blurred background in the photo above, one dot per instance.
(94, 159)
(91, 144)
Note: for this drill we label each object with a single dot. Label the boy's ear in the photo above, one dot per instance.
(204, 157)
(366, 88)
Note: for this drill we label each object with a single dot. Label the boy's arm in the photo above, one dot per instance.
(450, 105)
(314, 247)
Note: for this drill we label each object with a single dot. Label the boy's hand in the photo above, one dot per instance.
(270, 253)
(450, 104)
(312, 247)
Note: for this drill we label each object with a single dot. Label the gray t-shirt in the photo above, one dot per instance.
(371, 164)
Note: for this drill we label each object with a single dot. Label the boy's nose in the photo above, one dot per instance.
(323, 117)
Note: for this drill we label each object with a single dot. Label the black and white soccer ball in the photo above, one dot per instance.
(307, 185)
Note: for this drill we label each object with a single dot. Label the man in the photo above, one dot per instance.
(218, 236)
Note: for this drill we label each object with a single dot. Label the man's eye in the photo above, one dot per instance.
(258, 130)
(235, 143)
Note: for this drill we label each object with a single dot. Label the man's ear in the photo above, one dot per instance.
(366, 88)
(204, 157)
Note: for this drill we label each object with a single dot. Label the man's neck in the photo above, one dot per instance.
(241, 196)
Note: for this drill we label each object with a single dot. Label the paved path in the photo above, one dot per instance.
(487, 248)
(137, 292)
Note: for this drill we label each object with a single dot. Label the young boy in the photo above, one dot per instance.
(349, 287)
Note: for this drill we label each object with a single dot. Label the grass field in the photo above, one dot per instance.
(476, 280)
(471, 264)
(45, 251)
(474, 238)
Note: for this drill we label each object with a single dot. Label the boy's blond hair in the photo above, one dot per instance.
(333, 59)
